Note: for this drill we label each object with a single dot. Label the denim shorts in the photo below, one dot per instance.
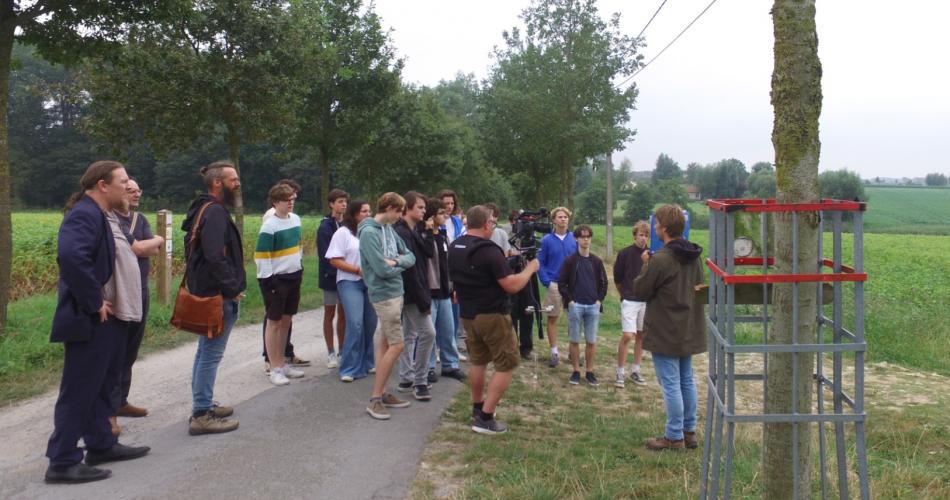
(586, 316)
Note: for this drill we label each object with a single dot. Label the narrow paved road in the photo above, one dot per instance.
(311, 439)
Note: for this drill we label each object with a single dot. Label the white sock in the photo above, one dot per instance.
(635, 368)
(620, 371)
(554, 350)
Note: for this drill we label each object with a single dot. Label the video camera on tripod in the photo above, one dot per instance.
(524, 228)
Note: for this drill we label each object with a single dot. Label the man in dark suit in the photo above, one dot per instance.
(93, 337)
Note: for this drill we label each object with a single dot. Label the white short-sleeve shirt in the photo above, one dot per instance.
(346, 246)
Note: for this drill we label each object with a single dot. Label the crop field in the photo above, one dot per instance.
(34, 246)
(908, 210)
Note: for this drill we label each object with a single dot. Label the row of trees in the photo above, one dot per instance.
(309, 89)
(936, 179)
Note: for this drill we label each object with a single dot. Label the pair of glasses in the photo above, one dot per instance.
(133, 191)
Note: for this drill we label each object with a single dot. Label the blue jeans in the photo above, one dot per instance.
(444, 321)
(208, 357)
(586, 316)
(356, 354)
(675, 375)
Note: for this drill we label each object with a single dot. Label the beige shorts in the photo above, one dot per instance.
(491, 339)
(390, 320)
(552, 300)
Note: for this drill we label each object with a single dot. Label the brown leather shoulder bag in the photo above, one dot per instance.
(199, 315)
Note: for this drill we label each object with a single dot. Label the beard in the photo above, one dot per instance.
(229, 197)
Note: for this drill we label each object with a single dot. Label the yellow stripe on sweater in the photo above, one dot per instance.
(278, 253)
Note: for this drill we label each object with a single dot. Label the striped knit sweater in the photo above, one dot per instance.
(278, 247)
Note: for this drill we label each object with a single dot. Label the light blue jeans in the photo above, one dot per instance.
(675, 375)
(208, 357)
(444, 321)
(586, 316)
(356, 355)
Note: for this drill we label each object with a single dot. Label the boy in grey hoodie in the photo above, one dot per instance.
(383, 258)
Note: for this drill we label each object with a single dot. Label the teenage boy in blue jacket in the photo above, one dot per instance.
(555, 247)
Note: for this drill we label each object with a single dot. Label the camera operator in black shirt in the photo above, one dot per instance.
(483, 280)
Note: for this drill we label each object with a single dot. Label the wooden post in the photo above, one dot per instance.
(163, 286)
(609, 251)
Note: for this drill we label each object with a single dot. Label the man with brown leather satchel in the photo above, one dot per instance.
(215, 267)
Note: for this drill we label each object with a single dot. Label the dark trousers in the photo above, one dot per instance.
(90, 372)
(524, 322)
(288, 349)
(120, 395)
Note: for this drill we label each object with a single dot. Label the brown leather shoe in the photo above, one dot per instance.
(690, 438)
(662, 443)
(128, 410)
(116, 430)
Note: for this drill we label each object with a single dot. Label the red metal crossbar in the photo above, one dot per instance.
(770, 205)
(847, 274)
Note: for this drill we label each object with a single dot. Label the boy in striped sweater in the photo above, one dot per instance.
(278, 257)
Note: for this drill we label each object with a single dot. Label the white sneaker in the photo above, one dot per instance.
(291, 372)
(333, 360)
(277, 377)
(346, 378)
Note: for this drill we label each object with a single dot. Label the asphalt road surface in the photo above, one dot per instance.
(311, 439)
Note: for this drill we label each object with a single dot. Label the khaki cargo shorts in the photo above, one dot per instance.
(390, 320)
(492, 339)
(552, 300)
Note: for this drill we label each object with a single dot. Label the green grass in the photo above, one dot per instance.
(902, 210)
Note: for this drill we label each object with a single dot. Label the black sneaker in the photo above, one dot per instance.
(591, 379)
(404, 387)
(421, 393)
(575, 378)
(526, 354)
(432, 377)
(491, 426)
(455, 373)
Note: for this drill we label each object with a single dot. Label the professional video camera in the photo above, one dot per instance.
(523, 230)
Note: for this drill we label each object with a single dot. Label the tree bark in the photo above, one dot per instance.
(324, 192)
(234, 154)
(609, 220)
(796, 99)
(7, 30)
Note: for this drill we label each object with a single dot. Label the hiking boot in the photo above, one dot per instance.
(638, 379)
(662, 443)
(591, 379)
(553, 361)
(333, 360)
(421, 393)
(432, 377)
(490, 426)
(291, 372)
(455, 373)
(575, 378)
(690, 438)
(296, 361)
(618, 382)
(377, 410)
(208, 423)
(404, 387)
(277, 377)
(391, 401)
(221, 411)
(128, 410)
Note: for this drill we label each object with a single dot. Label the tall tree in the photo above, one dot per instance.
(349, 70)
(562, 68)
(666, 168)
(214, 67)
(796, 99)
(62, 30)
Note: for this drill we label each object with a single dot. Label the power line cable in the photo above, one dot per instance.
(651, 19)
(637, 72)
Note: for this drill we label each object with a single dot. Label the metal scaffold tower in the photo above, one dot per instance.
(746, 279)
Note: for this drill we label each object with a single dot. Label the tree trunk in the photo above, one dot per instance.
(321, 202)
(7, 29)
(562, 187)
(234, 154)
(609, 220)
(796, 99)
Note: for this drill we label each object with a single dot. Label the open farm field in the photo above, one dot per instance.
(908, 210)
(907, 294)
(34, 246)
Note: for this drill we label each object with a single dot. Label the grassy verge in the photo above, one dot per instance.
(587, 442)
(30, 365)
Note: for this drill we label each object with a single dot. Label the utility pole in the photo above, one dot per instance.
(608, 253)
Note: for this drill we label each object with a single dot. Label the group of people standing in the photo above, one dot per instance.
(400, 285)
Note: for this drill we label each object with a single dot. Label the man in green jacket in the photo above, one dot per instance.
(675, 322)
(383, 258)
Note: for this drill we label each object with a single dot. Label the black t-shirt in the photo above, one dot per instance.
(141, 231)
(475, 266)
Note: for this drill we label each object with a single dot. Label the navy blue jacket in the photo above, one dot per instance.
(86, 258)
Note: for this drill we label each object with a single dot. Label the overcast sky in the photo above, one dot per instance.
(886, 108)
